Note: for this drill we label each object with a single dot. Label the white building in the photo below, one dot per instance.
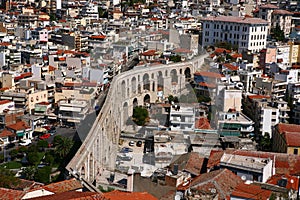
(247, 33)
(182, 118)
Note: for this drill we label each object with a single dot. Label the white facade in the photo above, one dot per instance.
(269, 118)
(182, 118)
(6, 105)
(246, 33)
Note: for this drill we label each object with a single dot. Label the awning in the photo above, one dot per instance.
(40, 129)
(73, 120)
(40, 109)
(20, 134)
(70, 109)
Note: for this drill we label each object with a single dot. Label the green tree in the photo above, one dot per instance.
(278, 34)
(28, 173)
(63, 147)
(49, 159)
(140, 115)
(175, 58)
(13, 153)
(42, 144)
(8, 179)
(266, 142)
(33, 158)
(43, 174)
(57, 139)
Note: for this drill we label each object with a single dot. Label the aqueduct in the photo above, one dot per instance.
(135, 87)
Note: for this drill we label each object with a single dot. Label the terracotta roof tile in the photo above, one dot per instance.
(250, 191)
(64, 186)
(288, 128)
(223, 181)
(4, 102)
(231, 67)
(97, 36)
(292, 139)
(18, 126)
(292, 181)
(258, 97)
(5, 133)
(151, 52)
(9, 194)
(73, 195)
(208, 85)
(120, 195)
(208, 74)
(221, 50)
(202, 123)
(242, 20)
(282, 12)
(190, 162)
(214, 158)
(271, 6)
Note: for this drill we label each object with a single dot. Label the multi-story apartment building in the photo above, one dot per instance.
(246, 33)
(72, 111)
(283, 19)
(259, 109)
(182, 117)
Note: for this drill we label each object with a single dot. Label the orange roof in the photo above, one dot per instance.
(5, 44)
(10, 194)
(51, 68)
(293, 128)
(292, 181)
(221, 50)
(24, 75)
(282, 12)
(236, 55)
(64, 186)
(151, 52)
(6, 133)
(258, 97)
(62, 58)
(253, 192)
(18, 126)
(98, 37)
(214, 158)
(202, 123)
(231, 67)
(292, 139)
(4, 102)
(44, 103)
(208, 74)
(120, 195)
(71, 84)
(73, 195)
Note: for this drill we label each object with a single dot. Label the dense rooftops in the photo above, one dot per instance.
(241, 20)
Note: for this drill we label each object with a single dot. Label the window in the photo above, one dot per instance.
(296, 151)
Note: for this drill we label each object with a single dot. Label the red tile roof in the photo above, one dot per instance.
(44, 103)
(9, 194)
(73, 195)
(98, 37)
(231, 67)
(292, 181)
(208, 85)
(208, 74)
(250, 191)
(18, 126)
(151, 52)
(292, 139)
(223, 181)
(120, 195)
(214, 158)
(4, 102)
(258, 97)
(64, 186)
(288, 128)
(236, 55)
(202, 123)
(221, 50)
(282, 12)
(6, 133)
(190, 162)
(52, 68)
(24, 75)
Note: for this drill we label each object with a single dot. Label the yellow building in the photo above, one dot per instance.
(294, 53)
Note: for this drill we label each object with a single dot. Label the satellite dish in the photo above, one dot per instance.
(243, 178)
(177, 197)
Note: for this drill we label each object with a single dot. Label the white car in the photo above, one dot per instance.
(25, 142)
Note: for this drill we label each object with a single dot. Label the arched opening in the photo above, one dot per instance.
(147, 99)
(180, 71)
(146, 82)
(133, 85)
(187, 73)
(174, 77)
(139, 88)
(1, 84)
(123, 90)
(135, 103)
(153, 86)
(160, 81)
(166, 73)
(125, 112)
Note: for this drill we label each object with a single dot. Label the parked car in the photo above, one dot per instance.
(10, 145)
(131, 143)
(126, 150)
(45, 136)
(52, 132)
(25, 142)
(139, 143)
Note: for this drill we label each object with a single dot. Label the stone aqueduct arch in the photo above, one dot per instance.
(99, 150)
